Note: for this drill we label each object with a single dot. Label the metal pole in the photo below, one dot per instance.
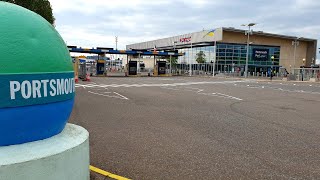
(170, 65)
(294, 53)
(116, 42)
(214, 58)
(190, 73)
(247, 58)
(174, 50)
(139, 64)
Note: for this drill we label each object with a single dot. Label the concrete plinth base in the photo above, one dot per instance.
(313, 79)
(64, 157)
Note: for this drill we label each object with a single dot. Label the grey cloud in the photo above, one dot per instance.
(145, 22)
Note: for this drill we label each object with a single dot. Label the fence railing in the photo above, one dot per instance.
(298, 74)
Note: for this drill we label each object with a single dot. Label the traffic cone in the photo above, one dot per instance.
(88, 77)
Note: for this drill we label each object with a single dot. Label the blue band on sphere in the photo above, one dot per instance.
(31, 123)
(33, 89)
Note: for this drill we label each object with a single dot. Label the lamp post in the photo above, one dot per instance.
(303, 64)
(214, 58)
(248, 33)
(190, 70)
(271, 70)
(295, 43)
(174, 50)
(116, 37)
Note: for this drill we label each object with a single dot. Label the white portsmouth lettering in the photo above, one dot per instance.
(72, 85)
(53, 91)
(26, 89)
(36, 85)
(14, 87)
(45, 87)
(41, 88)
(66, 82)
(60, 89)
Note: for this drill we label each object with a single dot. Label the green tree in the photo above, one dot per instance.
(174, 60)
(41, 7)
(201, 57)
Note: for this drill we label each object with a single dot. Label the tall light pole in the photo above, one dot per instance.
(190, 73)
(214, 58)
(248, 32)
(303, 65)
(271, 70)
(295, 43)
(174, 50)
(116, 42)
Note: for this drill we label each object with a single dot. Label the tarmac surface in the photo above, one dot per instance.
(201, 128)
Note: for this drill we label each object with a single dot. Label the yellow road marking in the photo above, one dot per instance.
(105, 173)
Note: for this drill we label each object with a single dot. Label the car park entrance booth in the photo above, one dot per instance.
(131, 54)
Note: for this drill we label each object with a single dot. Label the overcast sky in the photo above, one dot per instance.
(92, 23)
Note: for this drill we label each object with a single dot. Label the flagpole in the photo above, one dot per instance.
(214, 49)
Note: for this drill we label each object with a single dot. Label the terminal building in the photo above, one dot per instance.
(266, 50)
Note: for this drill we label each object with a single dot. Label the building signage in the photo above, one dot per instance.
(260, 54)
(34, 89)
(186, 39)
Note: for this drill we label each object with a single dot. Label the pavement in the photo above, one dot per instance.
(201, 128)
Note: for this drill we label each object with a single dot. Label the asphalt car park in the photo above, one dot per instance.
(201, 128)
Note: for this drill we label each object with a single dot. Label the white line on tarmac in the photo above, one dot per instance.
(121, 97)
(171, 88)
(156, 85)
(232, 97)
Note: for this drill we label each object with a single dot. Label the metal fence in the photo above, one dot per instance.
(306, 74)
(299, 74)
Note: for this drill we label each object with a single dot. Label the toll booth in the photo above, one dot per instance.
(101, 67)
(76, 62)
(161, 67)
(133, 67)
(82, 69)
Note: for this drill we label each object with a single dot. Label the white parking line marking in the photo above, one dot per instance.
(156, 85)
(232, 97)
(121, 97)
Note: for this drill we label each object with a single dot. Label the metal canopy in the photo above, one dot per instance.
(127, 52)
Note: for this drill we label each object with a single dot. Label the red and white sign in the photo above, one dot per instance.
(186, 39)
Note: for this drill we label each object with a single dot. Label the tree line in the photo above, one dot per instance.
(41, 7)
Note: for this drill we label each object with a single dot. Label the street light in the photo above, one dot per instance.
(190, 66)
(295, 43)
(248, 33)
(271, 70)
(174, 50)
(303, 61)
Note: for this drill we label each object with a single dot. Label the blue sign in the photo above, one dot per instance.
(260, 54)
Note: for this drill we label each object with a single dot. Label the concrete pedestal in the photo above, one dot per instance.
(313, 79)
(64, 157)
